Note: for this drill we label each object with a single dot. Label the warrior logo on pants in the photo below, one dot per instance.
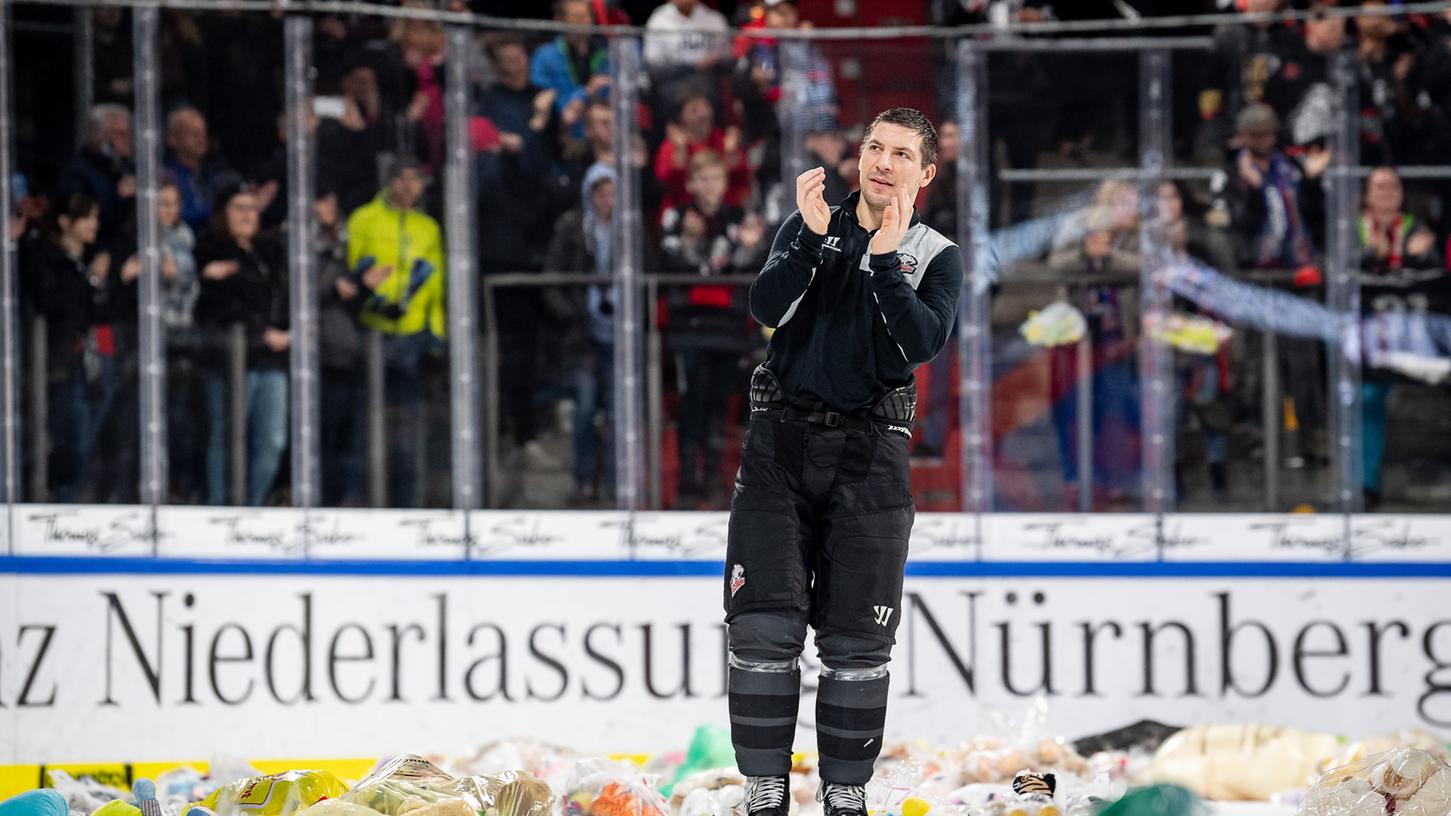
(738, 579)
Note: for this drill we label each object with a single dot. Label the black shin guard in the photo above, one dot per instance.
(850, 717)
(763, 719)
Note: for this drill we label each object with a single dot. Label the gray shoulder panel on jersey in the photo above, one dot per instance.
(919, 247)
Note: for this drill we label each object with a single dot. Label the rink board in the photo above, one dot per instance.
(128, 637)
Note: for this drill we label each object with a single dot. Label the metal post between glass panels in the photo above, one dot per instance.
(974, 335)
(629, 441)
(1342, 289)
(306, 444)
(151, 334)
(1156, 362)
(9, 303)
(462, 280)
(793, 57)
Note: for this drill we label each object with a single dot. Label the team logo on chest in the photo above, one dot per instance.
(908, 263)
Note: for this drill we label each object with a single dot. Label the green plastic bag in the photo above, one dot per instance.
(1158, 800)
(710, 749)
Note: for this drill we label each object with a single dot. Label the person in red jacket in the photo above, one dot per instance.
(692, 131)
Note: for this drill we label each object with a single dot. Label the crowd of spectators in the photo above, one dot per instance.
(706, 152)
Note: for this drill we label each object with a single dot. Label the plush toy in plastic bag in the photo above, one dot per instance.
(1057, 324)
(410, 785)
(1403, 782)
(273, 795)
(603, 788)
(84, 794)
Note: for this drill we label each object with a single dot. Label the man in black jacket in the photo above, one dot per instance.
(859, 295)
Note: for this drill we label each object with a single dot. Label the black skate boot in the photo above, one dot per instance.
(766, 796)
(842, 800)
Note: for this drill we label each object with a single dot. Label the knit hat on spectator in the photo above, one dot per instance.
(1257, 119)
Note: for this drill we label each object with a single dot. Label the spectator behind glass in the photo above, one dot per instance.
(1266, 189)
(103, 169)
(188, 165)
(340, 356)
(1104, 242)
(1397, 252)
(595, 144)
(708, 323)
(406, 306)
(244, 282)
(692, 131)
(420, 49)
(1271, 201)
(1203, 379)
(685, 42)
(1241, 64)
(513, 228)
(77, 299)
(576, 66)
(347, 147)
(758, 81)
(112, 61)
(1390, 113)
(514, 221)
(179, 291)
(1299, 89)
(584, 322)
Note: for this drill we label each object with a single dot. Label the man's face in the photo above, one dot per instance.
(599, 126)
(406, 189)
(602, 196)
(1383, 192)
(1261, 6)
(1325, 35)
(117, 133)
(576, 12)
(708, 186)
(1375, 26)
(188, 136)
(890, 162)
(1260, 143)
(697, 117)
(511, 64)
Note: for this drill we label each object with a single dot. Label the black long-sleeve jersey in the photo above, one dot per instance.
(851, 326)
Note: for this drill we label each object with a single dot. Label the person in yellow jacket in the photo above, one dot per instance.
(395, 253)
(389, 238)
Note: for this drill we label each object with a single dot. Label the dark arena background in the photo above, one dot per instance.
(374, 381)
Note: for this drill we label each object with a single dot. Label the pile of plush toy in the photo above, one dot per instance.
(1143, 769)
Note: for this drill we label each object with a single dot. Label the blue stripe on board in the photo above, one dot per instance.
(83, 565)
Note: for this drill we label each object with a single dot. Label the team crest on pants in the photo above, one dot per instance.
(738, 579)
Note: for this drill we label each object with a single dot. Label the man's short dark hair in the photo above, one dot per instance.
(913, 120)
(494, 43)
(561, 5)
